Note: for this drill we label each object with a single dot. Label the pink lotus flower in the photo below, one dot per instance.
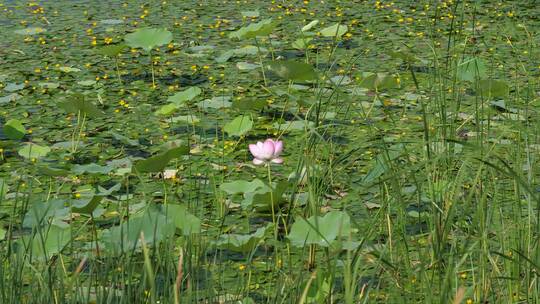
(267, 151)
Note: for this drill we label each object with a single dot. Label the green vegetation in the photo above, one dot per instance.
(269, 152)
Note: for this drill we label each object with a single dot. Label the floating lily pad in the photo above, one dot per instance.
(239, 242)
(251, 14)
(158, 162)
(148, 38)
(246, 66)
(30, 31)
(320, 230)
(79, 104)
(9, 98)
(49, 85)
(293, 70)
(67, 69)
(189, 119)
(13, 87)
(47, 243)
(182, 218)
(310, 25)
(152, 225)
(111, 21)
(33, 151)
(493, 88)
(253, 30)
(185, 95)
(471, 69)
(111, 50)
(14, 129)
(167, 109)
(239, 126)
(216, 102)
(336, 30)
(86, 83)
(242, 186)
